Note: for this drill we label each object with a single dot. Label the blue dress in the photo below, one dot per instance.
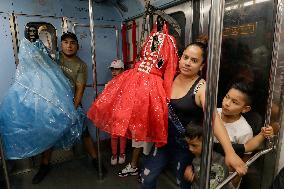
(38, 111)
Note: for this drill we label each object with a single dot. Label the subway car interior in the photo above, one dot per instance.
(244, 41)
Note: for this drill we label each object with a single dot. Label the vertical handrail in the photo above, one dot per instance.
(92, 27)
(4, 165)
(213, 64)
(274, 61)
(273, 72)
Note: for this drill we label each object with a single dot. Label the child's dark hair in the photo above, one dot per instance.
(246, 88)
(193, 130)
(202, 46)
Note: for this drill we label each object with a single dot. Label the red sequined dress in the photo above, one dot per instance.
(134, 103)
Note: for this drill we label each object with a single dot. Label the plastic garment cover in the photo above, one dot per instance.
(38, 111)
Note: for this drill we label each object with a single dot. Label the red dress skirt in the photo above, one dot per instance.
(134, 103)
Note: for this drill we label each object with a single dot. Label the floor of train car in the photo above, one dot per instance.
(73, 169)
(79, 173)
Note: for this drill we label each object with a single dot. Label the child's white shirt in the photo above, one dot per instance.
(239, 131)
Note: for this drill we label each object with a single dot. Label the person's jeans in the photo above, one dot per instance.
(159, 158)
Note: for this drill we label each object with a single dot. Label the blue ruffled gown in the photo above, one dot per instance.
(38, 111)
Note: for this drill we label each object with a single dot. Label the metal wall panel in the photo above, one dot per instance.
(42, 7)
(7, 61)
(76, 9)
(105, 52)
(5, 6)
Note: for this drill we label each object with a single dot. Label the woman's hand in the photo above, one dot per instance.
(234, 161)
(189, 174)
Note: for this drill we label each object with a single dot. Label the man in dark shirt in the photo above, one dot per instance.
(76, 71)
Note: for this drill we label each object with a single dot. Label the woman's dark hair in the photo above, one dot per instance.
(193, 130)
(202, 46)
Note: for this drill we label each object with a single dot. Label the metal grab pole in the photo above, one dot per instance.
(274, 62)
(4, 165)
(92, 26)
(248, 163)
(213, 64)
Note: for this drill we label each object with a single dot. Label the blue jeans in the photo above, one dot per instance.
(159, 158)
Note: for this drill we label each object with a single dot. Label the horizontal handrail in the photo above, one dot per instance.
(248, 163)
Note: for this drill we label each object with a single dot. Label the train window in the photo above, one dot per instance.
(46, 32)
(246, 50)
(180, 40)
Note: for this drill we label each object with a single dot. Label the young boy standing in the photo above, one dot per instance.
(236, 102)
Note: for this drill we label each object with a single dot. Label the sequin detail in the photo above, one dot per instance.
(198, 86)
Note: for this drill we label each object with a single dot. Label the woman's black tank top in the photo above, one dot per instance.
(185, 108)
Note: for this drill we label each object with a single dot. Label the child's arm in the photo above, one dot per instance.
(189, 174)
(256, 141)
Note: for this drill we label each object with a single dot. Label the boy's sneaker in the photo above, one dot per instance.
(113, 160)
(121, 159)
(128, 171)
